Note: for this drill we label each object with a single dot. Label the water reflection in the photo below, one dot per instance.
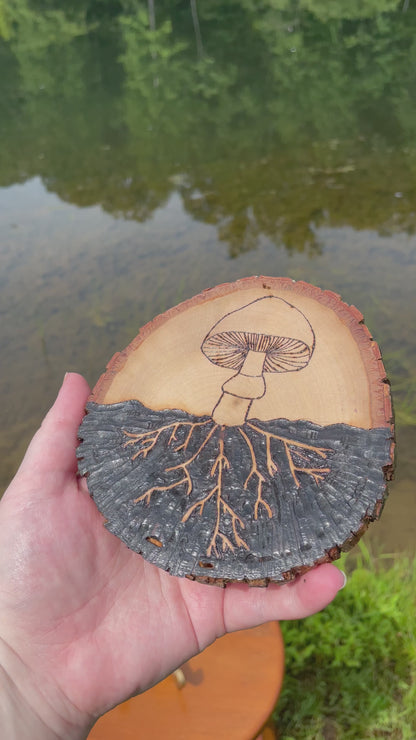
(141, 165)
(290, 118)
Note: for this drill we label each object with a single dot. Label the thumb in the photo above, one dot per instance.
(246, 607)
(52, 449)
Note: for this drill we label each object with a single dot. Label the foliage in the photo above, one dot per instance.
(5, 30)
(149, 53)
(31, 30)
(41, 43)
(349, 9)
(351, 669)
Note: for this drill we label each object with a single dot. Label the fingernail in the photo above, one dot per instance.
(64, 381)
(345, 580)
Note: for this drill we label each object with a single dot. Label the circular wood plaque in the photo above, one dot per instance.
(244, 435)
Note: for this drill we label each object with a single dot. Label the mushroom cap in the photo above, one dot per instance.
(269, 325)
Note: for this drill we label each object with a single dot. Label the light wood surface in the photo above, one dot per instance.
(164, 366)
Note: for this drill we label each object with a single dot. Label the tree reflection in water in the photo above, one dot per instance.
(268, 123)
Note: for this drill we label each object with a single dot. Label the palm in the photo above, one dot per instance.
(87, 615)
(92, 601)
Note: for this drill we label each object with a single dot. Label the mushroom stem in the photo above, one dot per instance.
(231, 411)
(240, 391)
(253, 364)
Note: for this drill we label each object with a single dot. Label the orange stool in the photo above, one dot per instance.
(229, 693)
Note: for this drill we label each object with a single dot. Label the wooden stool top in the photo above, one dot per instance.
(230, 691)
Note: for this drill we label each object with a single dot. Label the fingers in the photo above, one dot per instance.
(245, 606)
(52, 449)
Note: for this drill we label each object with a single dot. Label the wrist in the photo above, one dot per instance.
(26, 712)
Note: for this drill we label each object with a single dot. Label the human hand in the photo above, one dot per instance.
(85, 622)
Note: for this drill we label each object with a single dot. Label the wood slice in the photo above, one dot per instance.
(245, 435)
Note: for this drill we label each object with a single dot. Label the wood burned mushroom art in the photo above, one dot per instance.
(244, 435)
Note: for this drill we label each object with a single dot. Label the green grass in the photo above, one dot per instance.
(351, 669)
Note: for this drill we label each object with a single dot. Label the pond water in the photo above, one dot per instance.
(139, 166)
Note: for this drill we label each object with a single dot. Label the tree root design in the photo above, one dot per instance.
(221, 463)
(181, 466)
(260, 478)
(297, 454)
(147, 440)
(297, 449)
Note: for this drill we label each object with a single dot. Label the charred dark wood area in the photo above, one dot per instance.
(257, 502)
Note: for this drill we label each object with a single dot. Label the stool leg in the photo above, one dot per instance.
(268, 732)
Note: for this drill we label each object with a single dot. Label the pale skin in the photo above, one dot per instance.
(86, 623)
